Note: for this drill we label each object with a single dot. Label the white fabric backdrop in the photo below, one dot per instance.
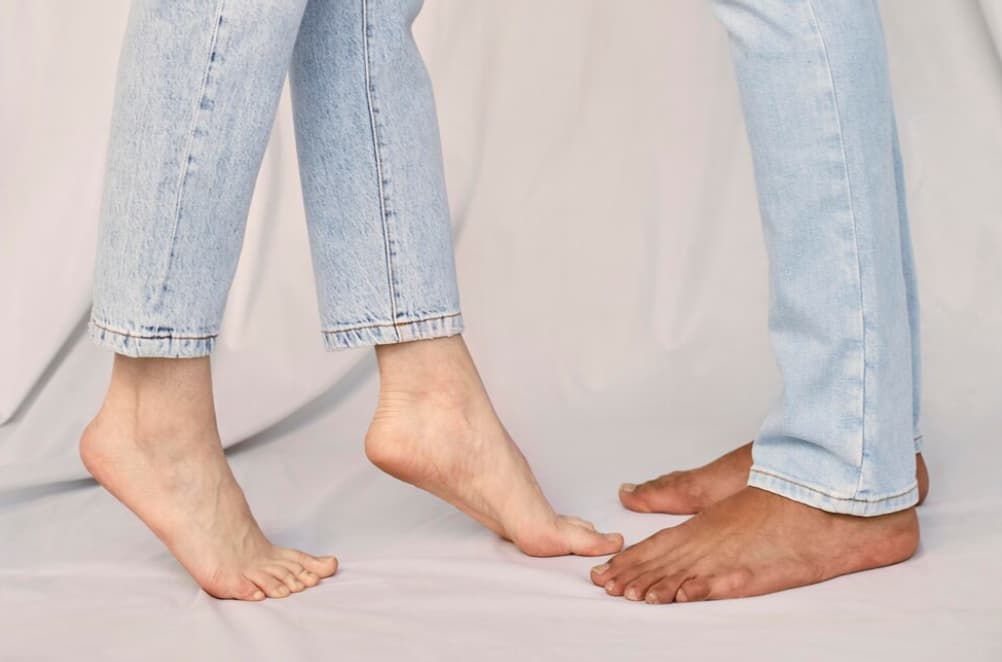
(613, 281)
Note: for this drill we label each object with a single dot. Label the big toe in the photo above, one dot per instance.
(666, 494)
(571, 536)
(321, 566)
(586, 541)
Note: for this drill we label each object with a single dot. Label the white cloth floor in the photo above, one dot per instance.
(614, 287)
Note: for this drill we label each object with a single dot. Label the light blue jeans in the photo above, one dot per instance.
(843, 312)
(198, 86)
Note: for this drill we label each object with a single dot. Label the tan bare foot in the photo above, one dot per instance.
(435, 428)
(751, 543)
(154, 445)
(694, 490)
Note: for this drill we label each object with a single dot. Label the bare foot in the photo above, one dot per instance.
(694, 490)
(435, 428)
(154, 445)
(751, 543)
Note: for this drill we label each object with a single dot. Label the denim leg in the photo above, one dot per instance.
(814, 85)
(371, 171)
(198, 84)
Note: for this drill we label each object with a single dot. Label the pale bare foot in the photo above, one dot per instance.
(435, 428)
(154, 445)
(751, 543)
(694, 490)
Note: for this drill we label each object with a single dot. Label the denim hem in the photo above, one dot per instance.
(165, 345)
(439, 326)
(918, 443)
(790, 488)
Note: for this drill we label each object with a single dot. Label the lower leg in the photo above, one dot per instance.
(154, 445)
(833, 483)
(435, 427)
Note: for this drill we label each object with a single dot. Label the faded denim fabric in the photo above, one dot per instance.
(844, 309)
(198, 86)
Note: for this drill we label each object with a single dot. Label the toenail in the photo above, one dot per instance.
(628, 487)
(258, 595)
(651, 599)
(599, 569)
(609, 586)
(632, 594)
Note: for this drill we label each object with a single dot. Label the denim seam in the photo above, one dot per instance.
(855, 237)
(787, 479)
(190, 145)
(136, 335)
(392, 324)
(374, 126)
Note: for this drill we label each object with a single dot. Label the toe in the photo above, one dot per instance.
(239, 588)
(620, 578)
(617, 565)
(286, 576)
(650, 548)
(664, 590)
(585, 541)
(568, 536)
(636, 589)
(271, 585)
(671, 494)
(304, 576)
(321, 566)
(632, 496)
(694, 589)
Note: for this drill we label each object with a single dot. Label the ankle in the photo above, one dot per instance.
(440, 368)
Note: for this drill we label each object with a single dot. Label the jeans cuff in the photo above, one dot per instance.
(770, 481)
(438, 326)
(918, 443)
(151, 343)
